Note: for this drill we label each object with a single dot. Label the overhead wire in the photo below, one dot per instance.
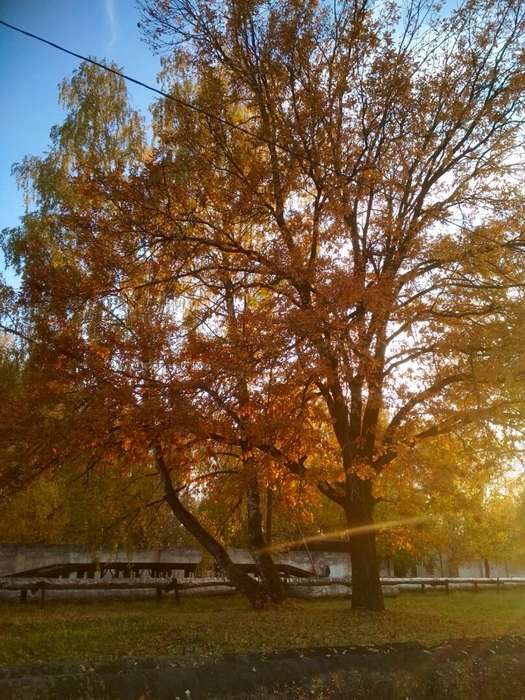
(172, 98)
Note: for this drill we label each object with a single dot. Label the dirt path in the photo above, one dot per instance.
(458, 670)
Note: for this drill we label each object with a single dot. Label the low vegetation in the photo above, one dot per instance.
(199, 628)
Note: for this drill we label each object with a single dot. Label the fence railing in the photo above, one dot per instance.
(162, 585)
(424, 582)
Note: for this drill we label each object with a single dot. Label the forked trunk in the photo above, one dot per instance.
(244, 583)
(366, 585)
(268, 571)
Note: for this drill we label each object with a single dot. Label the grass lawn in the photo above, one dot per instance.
(207, 626)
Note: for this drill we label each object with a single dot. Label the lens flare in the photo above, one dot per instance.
(347, 532)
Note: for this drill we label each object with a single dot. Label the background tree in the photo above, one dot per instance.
(461, 490)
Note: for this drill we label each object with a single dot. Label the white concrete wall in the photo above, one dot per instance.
(18, 558)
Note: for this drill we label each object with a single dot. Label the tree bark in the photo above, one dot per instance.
(359, 506)
(269, 515)
(244, 583)
(486, 568)
(268, 571)
(269, 575)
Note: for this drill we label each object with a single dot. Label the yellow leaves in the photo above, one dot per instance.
(364, 471)
(239, 113)
(148, 156)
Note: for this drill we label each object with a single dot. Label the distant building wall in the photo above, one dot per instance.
(339, 562)
(473, 569)
(16, 559)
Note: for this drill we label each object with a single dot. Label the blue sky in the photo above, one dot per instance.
(31, 71)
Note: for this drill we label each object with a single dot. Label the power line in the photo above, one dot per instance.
(177, 100)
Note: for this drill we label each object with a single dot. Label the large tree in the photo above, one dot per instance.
(376, 149)
(329, 223)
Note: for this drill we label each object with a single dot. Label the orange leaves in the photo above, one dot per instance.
(126, 444)
(248, 410)
(294, 285)
(102, 352)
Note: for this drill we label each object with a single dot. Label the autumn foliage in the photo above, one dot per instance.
(312, 272)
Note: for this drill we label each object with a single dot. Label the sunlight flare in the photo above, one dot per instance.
(347, 532)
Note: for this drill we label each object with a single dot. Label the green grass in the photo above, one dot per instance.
(207, 626)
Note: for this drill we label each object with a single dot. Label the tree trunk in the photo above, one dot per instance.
(269, 515)
(486, 568)
(244, 583)
(366, 586)
(263, 560)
